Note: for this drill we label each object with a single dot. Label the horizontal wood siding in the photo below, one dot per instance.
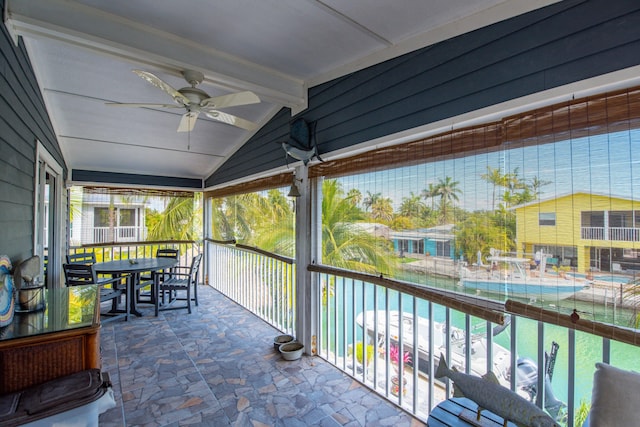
(80, 175)
(23, 121)
(263, 152)
(563, 43)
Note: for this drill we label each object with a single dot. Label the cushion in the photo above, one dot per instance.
(615, 399)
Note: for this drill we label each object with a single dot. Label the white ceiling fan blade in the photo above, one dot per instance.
(135, 104)
(188, 121)
(159, 83)
(231, 120)
(231, 100)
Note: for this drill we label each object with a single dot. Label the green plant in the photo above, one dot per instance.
(360, 353)
(581, 413)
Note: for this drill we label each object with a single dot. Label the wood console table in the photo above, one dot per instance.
(62, 339)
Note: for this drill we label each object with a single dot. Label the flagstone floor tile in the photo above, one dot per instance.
(218, 367)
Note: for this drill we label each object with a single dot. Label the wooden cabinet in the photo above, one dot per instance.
(60, 340)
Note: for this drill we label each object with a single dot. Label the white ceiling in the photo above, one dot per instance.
(83, 52)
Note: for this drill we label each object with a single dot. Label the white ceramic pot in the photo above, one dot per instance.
(292, 350)
(282, 339)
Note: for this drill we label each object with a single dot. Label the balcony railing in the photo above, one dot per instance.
(117, 234)
(620, 234)
(263, 283)
(114, 251)
(365, 325)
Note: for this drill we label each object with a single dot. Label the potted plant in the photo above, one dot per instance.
(360, 352)
(394, 357)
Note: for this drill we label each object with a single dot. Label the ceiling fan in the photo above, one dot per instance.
(197, 101)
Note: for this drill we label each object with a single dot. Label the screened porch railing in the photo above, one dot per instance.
(263, 283)
(370, 332)
(131, 250)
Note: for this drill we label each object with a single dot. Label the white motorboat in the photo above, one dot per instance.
(509, 276)
(501, 361)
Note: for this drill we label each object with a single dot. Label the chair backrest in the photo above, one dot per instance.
(81, 258)
(79, 274)
(168, 253)
(195, 265)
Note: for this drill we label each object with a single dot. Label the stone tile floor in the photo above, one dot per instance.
(218, 367)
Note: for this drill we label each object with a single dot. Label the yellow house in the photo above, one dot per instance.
(583, 230)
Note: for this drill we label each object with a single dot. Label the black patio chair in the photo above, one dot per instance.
(87, 258)
(146, 279)
(110, 290)
(181, 279)
(81, 258)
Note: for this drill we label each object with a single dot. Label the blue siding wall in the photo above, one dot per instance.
(80, 175)
(563, 43)
(23, 121)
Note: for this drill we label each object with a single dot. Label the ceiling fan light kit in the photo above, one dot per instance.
(196, 101)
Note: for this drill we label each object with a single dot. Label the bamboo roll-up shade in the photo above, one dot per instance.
(260, 184)
(608, 112)
(594, 115)
(463, 303)
(617, 333)
(415, 152)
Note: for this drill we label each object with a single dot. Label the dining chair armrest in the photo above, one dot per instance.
(113, 280)
(172, 274)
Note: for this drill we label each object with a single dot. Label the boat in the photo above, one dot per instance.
(527, 370)
(510, 277)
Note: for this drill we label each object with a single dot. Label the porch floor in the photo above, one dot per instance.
(218, 367)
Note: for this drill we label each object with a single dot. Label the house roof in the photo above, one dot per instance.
(564, 195)
(437, 233)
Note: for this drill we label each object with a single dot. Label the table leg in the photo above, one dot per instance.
(132, 282)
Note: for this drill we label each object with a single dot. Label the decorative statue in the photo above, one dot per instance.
(489, 394)
(7, 297)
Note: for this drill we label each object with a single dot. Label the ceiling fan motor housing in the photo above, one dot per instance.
(194, 78)
(194, 94)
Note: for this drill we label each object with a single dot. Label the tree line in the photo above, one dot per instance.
(267, 220)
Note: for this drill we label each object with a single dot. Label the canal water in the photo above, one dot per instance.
(588, 347)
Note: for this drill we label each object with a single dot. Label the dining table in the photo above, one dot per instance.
(133, 268)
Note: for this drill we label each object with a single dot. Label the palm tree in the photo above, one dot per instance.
(75, 202)
(430, 192)
(276, 230)
(244, 211)
(382, 210)
(495, 177)
(221, 227)
(355, 196)
(179, 220)
(412, 206)
(370, 200)
(536, 185)
(344, 244)
(448, 191)
(267, 222)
